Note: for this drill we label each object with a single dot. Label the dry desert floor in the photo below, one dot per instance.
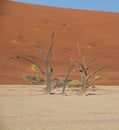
(24, 107)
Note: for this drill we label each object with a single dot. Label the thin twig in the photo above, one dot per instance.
(81, 56)
(92, 61)
(44, 58)
(68, 72)
(93, 82)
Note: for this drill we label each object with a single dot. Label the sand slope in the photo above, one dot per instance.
(23, 25)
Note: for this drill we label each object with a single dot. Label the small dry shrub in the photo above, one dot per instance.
(34, 79)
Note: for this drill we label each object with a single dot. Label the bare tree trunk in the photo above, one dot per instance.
(63, 90)
(84, 84)
(48, 86)
(48, 78)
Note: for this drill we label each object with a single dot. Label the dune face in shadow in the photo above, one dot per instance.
(4, 11)
(3, 7)
(23, 25)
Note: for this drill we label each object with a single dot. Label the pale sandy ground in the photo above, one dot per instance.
(26, 108)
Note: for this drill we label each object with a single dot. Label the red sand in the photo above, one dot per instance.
(22, 25)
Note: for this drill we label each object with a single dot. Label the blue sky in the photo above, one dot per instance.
(102, 5)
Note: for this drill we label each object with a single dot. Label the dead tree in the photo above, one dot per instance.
(83, 68)
(47, 60)
(66, 79)
(62, 82)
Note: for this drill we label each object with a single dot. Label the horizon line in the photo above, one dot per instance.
(98, 10)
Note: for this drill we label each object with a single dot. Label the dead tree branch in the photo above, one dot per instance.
(97, 70)
(92, 61)
(81, 56)
(28, 60)
(67, 77)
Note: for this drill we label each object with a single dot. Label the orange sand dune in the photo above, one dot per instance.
(23, 25)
